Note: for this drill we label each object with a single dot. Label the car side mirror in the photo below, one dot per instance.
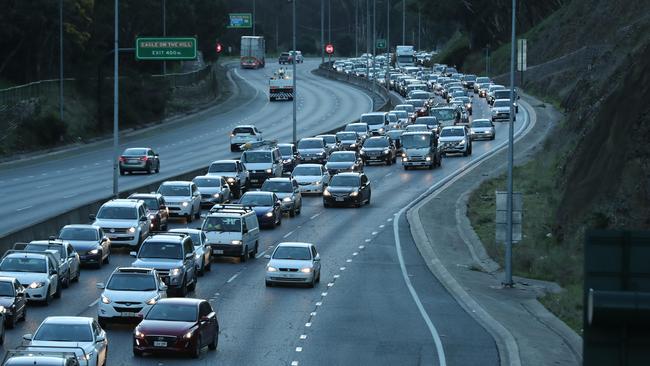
(317, 258)
(157, 155)
(162, 207)
(162, 286)
(104, 239)
(92, 216)
(72, 255)
(100, 285)
(143, 218)
(52, 237)
(245, 231)
(133, 254)
(100, 338)
(28, 337)
(267, 256)
(54, 271)
(278, 203)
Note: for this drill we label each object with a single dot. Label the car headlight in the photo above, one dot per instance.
(403, 155)
(138, 333)
(494, 111)
(216, 195)
(94, 251)
(271, 269)
(269, 214)
(428, 158)
(468, 106)
(462, 142)
(131, 230)
(362, 152)
(152, 216)
(318, 183)
(88, 356)
(326, 193)
(353, 145)
(305, 270)
(269, 171)
(106, 300)
(231, 180)
(185, 204)
(175, 272)
(286, 199)
(236, 242)
(189, 334)
(152, 300)
(386, 151)
(36, 284)
(286, 161)
(381, 130)
(354, 194)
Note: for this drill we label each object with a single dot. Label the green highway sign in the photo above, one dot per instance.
(381, 44)
(240, 20)
(165, 48)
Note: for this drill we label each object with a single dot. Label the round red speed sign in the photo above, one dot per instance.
(329, 48)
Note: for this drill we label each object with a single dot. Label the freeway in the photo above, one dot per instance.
(39, 189)
(361, 313)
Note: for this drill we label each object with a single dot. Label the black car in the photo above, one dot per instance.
(89, 241)
(267, 207)
(285, 58)
(347, 189)
(141, 159)
(290, 159)
(379, 149)
(156, 209)
(344, 161)
(348, 140)
(13, 299)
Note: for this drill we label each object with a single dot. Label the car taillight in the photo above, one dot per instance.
(144, 158)
(122, 158)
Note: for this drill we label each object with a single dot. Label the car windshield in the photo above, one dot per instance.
(286, 150)
(154, 249)
(296, 253)
(222, 224)
(344, 181)
(376, 143)
(222, 167)
(403, 107)
(272, 186)
(416, 141)
(463, 99)
(307, 170)
(150, 202)
(392, 117)
(395, 134)
(32, 265)
(426, 120)
(502, 94)
(372, 119)
(401, 114)
(134, 152)
(243, 131)
(117, 213)
(310, 144)
(54, 332)
(132, 282)
(256, 200)
(173, 312)
(483, 123)
(44, 247)
(329, 139)
(6, 289)
(207, 182)
(344, 136)
(343, 156)
(443, 114)
(256, 157)
(417, 103)
(78, 233)
(356, 128)
(174, 190)
(483, 79)
(501, 103)
(447, 132)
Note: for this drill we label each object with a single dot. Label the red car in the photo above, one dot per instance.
(177, 325)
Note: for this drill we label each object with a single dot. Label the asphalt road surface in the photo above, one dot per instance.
(38, 189)
(361, 313)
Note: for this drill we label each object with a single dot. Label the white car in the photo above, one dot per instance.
(243, 134)
(202, 251)
(71, 334)
(124, 221)
(311, 178)
(37, 271)
(128, 294)
(293, 262)
(501, 110)
(183, 199)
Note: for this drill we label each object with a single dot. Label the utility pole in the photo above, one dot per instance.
(487, 58)
(356, 28)
(374, 44)
(419, 27)
(322, 31)
(116, 53)
(61, 60)
(508, 257)
(329, 21)
(253, 17)
(388, 44)
(295, 76)
(367, 38)
(403, 21)
(164, 22)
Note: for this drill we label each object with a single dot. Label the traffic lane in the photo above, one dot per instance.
(204, 145)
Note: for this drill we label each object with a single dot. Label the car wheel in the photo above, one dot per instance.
(326, 205)
(102, 322)
(137, 353)
(318, 278)
(279, 219)
(11, 321)
(188, 218)
(182, 290)
(292, 212)
(368, 202)
(100, 261)
(66, 284)
(215, 341)
(243, 257)
(201, 270)
(158, 168)
(122, 172)
(48, 296)
(252, 254)
(465, 153)
(108, 259)
(197, 215)
(192, 287)
(24, 316)
(57, 294)
(312, 283)
(76, 278)
(196, 351)
(150, 169)
(233, 148)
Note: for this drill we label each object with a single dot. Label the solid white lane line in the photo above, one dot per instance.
(94, 303)
(23, 208)
(232, 278)
(298, 349)
(324, 294)
(368, 240)
(294, 363)
(319, 303)
(315, 216)
(288, 234)
(307, 325)
(361, 246)
(374, 233)
(313, 313)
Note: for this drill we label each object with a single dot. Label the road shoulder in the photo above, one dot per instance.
(525, 332)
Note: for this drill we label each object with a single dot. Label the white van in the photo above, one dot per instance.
(233, 231)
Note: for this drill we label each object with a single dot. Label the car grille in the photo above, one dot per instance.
(116, 230)
(206, 195)
(340, 195)
(173, 208)
(120, 309)
(287, 279)
(156, 338)
(288, 269)
(305, 183)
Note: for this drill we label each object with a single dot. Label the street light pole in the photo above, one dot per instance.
(419, 27)
(388, 45)
(61, 60)
(403, 21)
(164, 22)
(367, 38)
(329, 21)
(116, 53)
(253, 17)
(356, 28)
(374, 43)
(511, 129)
(322, 31)
(295, 76)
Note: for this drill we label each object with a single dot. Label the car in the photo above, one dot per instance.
(172, 256)
(454, 140)
(125, 221)
(347, 188)
(214, 189)
(393, 121)
(446, 115)
(136, 159)
(403, 118)
(420, 105)
(468, 81)
(313, 150)
(69, 266)
(482, 129)
(157, 210)
(430, 121)
(505, 94)
(501, 110)
(420, 148)
(465, 102)
(331, 142)
(59, 356)
(348, 140)
(267, 207)
(378, 149)
(311, 178)
(285, 58)
(243, 134)
(177, 325)
(262, 161)
(299, 58)
(183, 199)
(14, 301)
(202, 251)
(235, 174)
(293, 262)
(89, 241)
(36, 270)
(490, 92)
(396, 136)
(409, 108)
(361, 129)
(377, 122)
(72, 331)
(480, 81)
(344, 161)
(290, 156)
(128, 294)
(288, 192)
(232, 230)
(417, 128)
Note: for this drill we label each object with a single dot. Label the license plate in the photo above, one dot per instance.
(255, 180)
(339, 199)
(112, 237)
(133, 161)
(159, 344)
(217, 251)
(128, 314)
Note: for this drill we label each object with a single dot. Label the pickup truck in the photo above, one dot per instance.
(69, 266)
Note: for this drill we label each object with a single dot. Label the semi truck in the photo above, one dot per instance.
(405, 56)
(252, 52)
(281, 85)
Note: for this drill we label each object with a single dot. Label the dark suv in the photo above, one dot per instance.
(156, 209)
(379, 149)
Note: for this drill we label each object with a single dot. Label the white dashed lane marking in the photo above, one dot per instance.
(232, 278)
(24, 208)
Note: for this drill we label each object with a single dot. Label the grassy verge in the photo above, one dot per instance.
(539, 255)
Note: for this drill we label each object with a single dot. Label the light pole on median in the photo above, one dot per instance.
(116, 53)
(322, 31)
(403, 21)
(293, 61)
(61, 60)
(388, 45)
(374, 44)
(164, 23)
(508, 257)
(356, 28)
(254, 17)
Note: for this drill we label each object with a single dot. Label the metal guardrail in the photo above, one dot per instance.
(326, 71)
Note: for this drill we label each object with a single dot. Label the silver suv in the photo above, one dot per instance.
(124, 221)
(455, 139)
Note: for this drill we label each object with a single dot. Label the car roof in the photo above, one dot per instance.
(409, 133)
(207, 176)
(252, 126)
(481, 120)
(68, 320)
(310, 165)
(311, 138)
(32, 255)
(453, 127)
(357, 123)
(349, 174)
(502, 100)
(180, 301)
(326, 135)
(81, 226)
(225, 161)
(294, 244)
(258, 193)
(343, 152)
(185, 230)
(374, 114)
(123, 202)
(176, 182)
(7, 279)
(145, 195)
(279, 179)
(166, 237)
(285, 144)
(134, 270)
